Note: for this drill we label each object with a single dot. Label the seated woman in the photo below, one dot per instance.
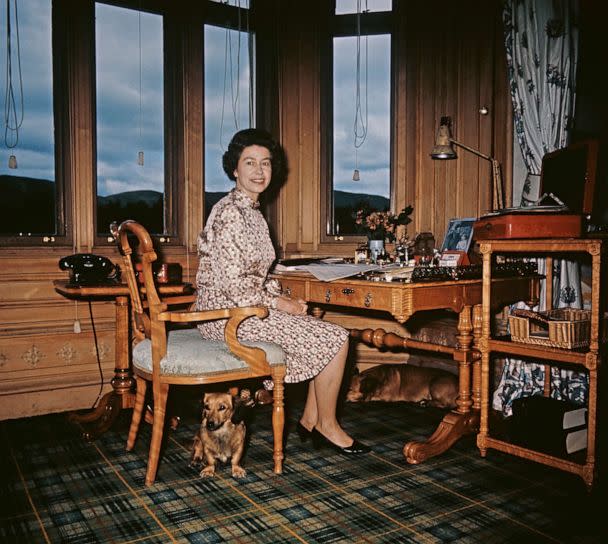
(235, 255)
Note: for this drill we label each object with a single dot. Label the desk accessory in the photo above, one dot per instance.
(444, 149)
(90, 269)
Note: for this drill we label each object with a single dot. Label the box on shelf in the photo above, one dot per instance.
(567, 328)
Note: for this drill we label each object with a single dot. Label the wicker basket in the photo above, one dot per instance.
(569, 328)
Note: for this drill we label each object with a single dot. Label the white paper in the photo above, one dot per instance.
(330, 272)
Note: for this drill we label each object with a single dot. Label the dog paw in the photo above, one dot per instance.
(207, 472)
(238, 472)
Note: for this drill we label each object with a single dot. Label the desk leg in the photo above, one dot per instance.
(101, 418)
(462, 420)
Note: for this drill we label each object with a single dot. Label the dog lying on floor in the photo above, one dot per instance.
(409, 383)
(222, 433)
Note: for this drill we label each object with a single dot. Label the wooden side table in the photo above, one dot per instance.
(101, 418)
(587, 359)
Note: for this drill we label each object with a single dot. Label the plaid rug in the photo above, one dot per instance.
(56, 487)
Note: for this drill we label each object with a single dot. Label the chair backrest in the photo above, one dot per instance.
(146, 255)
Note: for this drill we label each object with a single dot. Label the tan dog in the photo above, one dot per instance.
(221, 435)
(409, 383)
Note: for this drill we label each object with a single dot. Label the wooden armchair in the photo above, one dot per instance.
(182, 356)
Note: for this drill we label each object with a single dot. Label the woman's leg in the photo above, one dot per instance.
(323, 391)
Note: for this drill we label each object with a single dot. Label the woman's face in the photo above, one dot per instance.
(253, 171)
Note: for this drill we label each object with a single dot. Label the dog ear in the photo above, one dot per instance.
(241, 409)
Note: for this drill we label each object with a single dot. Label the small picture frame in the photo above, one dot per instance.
(453, 258)
(459, 235)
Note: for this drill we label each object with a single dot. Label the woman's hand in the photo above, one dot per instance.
(292, 306)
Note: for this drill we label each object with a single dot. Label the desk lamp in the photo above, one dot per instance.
(444, 150)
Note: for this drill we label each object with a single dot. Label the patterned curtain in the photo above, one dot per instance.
(541, 41)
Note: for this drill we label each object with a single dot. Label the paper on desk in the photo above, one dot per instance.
(330, 272)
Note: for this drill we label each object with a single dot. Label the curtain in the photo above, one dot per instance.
(541, 42)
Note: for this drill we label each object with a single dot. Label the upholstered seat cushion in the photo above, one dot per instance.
(189, 353)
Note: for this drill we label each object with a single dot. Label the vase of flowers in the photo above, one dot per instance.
(381, 226)
(384, 226)
(376, 248)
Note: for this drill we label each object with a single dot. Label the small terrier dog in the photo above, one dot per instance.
(221, 435)
(409, 383)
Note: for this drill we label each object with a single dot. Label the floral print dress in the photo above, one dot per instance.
(236, 253)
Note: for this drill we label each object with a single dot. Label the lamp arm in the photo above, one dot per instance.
(498, 197)
(497, 183)
(474, 151)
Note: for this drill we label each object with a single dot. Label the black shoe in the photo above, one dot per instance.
(355, 448)
(303, 432)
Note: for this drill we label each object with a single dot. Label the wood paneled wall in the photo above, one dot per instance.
(447, 64)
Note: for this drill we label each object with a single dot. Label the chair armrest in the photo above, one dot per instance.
(255, 357)
(185, 316)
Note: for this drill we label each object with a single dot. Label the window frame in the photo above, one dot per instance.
(227, 16)
(171, 109)
(63, 235)
(345, 25)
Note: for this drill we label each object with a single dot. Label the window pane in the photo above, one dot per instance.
(27, 194)
(372, 156)
(228, 102)
(235, 3)
(350, 6)
(129, 118)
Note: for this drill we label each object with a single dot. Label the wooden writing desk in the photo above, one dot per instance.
(402, 300)
(122, 395)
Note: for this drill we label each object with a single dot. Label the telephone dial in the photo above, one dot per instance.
(90, 269)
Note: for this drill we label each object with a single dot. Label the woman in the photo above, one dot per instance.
(235, 255)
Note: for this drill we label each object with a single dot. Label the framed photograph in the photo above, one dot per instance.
(459, 235)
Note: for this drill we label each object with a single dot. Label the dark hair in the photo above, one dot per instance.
(245, 138)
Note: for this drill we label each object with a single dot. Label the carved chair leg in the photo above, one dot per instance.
(160, 406)
(138, 409)
(278, 418)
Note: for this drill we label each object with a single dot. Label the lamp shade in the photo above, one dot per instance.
(443, 148)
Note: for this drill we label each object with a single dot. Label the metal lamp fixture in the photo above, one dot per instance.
(444, 150)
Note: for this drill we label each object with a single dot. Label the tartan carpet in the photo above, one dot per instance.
(56, 487)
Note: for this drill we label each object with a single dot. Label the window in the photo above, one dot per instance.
(370, 6)
(130, 124)
(29, 197)
(359, 161)
(228, 97)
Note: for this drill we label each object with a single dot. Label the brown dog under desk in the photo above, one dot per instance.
(403, 382)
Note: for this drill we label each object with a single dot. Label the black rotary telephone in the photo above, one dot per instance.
(90, 269)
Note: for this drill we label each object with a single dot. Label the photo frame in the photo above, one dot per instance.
(459, 235)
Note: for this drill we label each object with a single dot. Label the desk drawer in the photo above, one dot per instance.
(293, 288)
(353, 295)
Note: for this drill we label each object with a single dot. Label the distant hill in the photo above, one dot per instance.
(343, 199)
(27, 205)
(150, 198)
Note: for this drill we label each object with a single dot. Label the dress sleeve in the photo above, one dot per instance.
(235, 266)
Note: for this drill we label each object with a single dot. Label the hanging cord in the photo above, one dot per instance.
(251, 75)
(234, 96)
(361, 117)
(12, 120)
(98, 357)
(140, 154)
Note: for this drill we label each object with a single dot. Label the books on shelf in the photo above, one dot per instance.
(556, 427)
